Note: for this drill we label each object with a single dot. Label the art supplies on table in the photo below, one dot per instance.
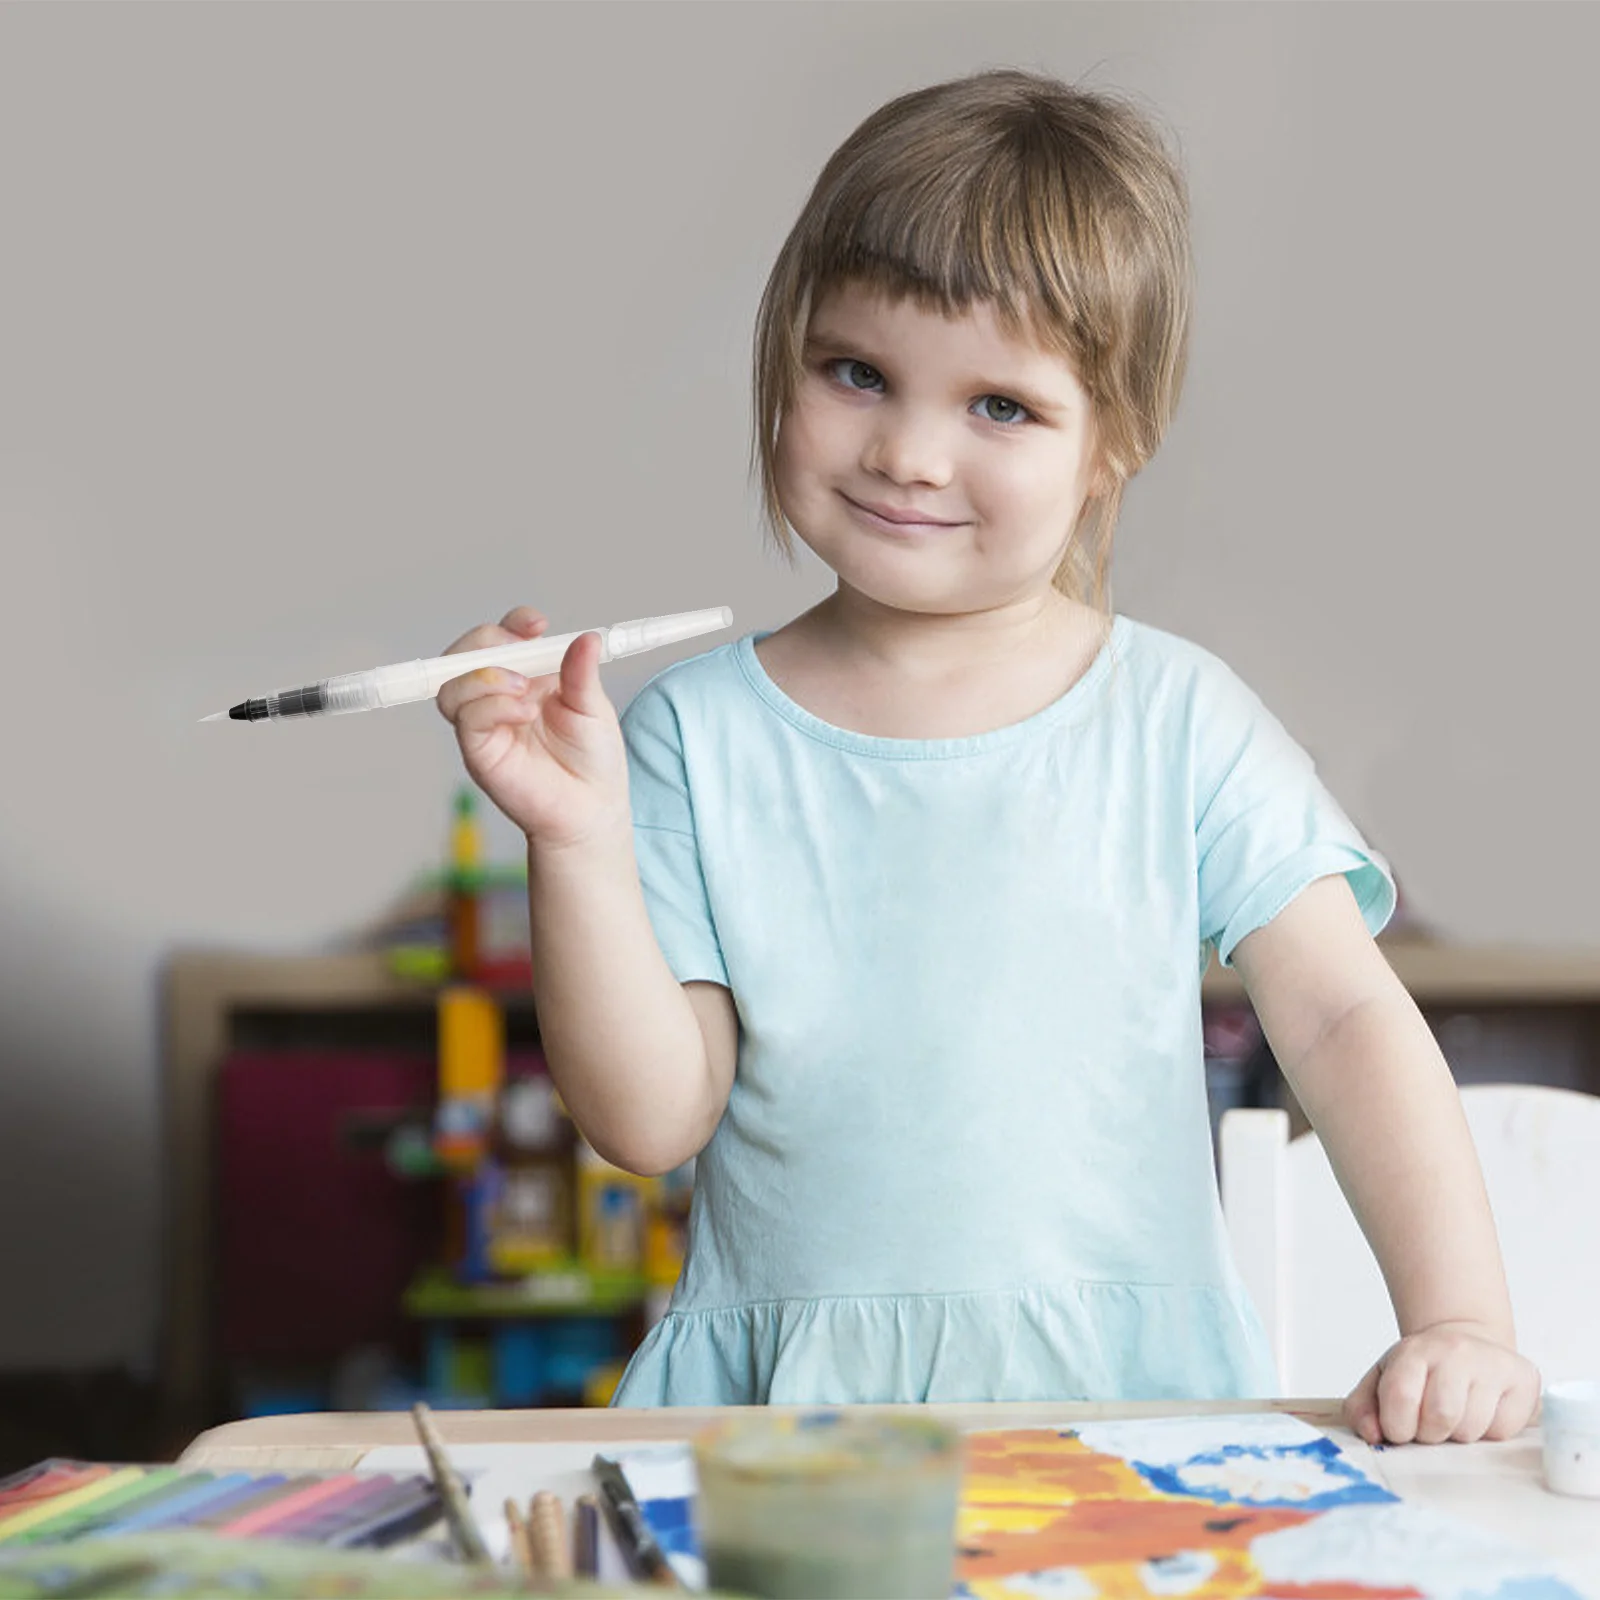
(550, 1550)
(1572, 1437)
(540, 1545)
(636, 1539)
(1240, 1505)
(74, 1530)
(501, 1471)
(586, 1535)
(70, 1501)
(829, 1503)
(452, 1492)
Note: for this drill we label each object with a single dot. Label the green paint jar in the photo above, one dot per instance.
(814, 1505)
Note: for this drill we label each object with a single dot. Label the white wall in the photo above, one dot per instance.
(328, 331)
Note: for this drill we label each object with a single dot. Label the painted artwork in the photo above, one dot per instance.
(1226, 1507)
(1214, 1508)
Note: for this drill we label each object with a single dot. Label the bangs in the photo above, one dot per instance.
(951, 238)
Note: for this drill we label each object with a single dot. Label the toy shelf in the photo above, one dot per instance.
(213, 1003)
(562, 1289)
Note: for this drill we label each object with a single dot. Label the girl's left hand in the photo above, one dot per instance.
(1452, 1380)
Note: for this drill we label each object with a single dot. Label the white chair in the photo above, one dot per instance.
(1315, 1282)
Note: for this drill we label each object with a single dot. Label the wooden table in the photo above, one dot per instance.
(1493, 1486)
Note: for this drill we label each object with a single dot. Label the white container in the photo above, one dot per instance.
(1571, 1424)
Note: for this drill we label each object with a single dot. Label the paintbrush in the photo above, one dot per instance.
(546, 1531)
(452, 1492)
(521, 1550)
(645, 1558)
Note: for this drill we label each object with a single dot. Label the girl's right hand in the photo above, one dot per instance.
(548, 751)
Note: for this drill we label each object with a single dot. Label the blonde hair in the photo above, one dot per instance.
(1059, 206)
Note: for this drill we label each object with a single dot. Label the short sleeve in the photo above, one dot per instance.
(1266, 827)
(664, 838)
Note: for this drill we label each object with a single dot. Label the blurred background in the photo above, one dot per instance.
(329, 331)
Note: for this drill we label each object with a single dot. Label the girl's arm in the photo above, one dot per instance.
(1366, 1068)
(645, 1064)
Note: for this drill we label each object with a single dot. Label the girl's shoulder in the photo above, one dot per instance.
(1159, 650)
(707, 676)
(1177, 674)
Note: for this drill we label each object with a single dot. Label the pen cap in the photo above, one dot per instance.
(649, 633)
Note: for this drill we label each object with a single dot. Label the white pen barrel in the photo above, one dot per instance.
(400, 684)
(348, 691)
(530, 657)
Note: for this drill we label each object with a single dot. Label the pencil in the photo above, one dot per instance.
(463, 1527)
(639, 1548)
(586, 1536)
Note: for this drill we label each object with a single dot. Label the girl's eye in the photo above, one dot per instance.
(1016, 413)
(853, 367)
(1013, 413)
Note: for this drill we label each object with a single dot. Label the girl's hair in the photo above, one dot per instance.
(1060, 207)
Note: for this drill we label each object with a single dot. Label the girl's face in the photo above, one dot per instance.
(936, 465)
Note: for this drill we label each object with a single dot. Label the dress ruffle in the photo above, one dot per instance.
(1078, 1341)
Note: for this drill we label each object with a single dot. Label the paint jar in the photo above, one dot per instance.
(1571, 1424)
(830, 1503)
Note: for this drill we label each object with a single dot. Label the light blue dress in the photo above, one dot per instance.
(967, 1153)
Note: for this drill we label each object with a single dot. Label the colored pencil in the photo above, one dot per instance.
(354, 1504)
(265, 1520)
(57, 1501)
(19, 1522)
(231, 1496)
(586, 1536)
(46, 1479)
(155, 1487)
(272, 1487)
(192, 1494)
(416, 1506)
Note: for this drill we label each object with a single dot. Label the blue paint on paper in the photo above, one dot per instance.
(1355, 1489)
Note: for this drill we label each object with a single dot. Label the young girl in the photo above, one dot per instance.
(896, 916)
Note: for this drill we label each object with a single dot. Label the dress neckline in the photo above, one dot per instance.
(1063, 706)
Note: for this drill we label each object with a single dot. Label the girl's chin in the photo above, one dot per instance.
(912, 576)
(894, 592)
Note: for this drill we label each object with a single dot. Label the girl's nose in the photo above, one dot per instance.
(907, 449)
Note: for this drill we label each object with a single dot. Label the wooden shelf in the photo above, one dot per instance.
(1467, 975)
(201, 992)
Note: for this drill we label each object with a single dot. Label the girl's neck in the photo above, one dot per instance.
(900, 675)
(921, 646)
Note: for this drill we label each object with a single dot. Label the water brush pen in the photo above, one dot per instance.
(421, 680)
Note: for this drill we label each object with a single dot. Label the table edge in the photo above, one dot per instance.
(334, 1440)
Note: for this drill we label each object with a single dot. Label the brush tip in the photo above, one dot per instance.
(216, 716)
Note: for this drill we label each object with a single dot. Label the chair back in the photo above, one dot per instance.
(1315, 1282)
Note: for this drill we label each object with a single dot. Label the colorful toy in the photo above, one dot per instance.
(464, 907)
(472, 1049)
(612, 1205)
